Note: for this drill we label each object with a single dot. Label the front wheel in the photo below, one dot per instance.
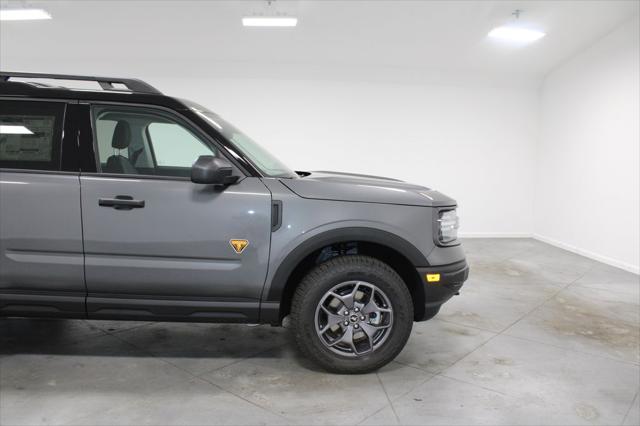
(352, 314)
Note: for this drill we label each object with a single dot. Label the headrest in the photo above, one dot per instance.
(121, 135)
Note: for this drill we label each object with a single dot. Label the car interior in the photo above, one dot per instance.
(146, 144)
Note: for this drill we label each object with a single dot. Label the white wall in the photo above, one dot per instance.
(475, 144)
(588, 177)
(457, 113)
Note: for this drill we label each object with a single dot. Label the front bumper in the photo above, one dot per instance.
(450, 279)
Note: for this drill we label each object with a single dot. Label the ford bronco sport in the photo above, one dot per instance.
(123, 203)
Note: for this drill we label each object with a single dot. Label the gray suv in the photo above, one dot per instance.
(123, 203)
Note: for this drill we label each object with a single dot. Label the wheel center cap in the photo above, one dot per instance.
(353, 318)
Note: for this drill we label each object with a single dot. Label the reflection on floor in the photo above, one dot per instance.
(538, 336)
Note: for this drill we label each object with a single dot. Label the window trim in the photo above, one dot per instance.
(178, 118)
(38, 171)
(151, 150)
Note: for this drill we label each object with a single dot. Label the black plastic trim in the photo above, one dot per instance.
(369, 235)
(71, 157)
(276, 215)
(34, 171)
(121, 202)
(135, 177)
(101, 306)
(84, 129)
(39, 304)
(35, 99)
(452, 278)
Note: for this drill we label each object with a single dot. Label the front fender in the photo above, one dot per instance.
(333, 236)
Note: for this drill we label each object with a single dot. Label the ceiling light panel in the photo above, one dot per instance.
(23, 14)
(269, 21)
(515, 34)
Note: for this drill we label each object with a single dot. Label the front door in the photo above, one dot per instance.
(157, 245)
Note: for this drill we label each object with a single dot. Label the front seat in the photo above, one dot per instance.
(120, 140)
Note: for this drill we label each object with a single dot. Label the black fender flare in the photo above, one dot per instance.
(334, 236)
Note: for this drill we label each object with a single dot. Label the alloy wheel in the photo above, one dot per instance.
(354, 318)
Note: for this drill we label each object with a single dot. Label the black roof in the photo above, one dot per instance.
(113, 89)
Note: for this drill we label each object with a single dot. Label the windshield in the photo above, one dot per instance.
(262, 159)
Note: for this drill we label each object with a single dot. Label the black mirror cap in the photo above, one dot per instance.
(211, 170)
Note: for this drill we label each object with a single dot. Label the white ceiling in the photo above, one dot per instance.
(366, 40)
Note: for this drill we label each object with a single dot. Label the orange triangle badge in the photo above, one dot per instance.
(239, 245)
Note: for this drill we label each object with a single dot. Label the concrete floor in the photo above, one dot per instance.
(538, 336)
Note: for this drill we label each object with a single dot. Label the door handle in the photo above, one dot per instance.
(121, 202)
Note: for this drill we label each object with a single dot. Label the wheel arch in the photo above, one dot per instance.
(397, 252)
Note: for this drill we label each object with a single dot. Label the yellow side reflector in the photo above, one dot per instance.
(239, 245)
(433, 278)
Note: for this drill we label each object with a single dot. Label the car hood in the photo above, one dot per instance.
(367, 189)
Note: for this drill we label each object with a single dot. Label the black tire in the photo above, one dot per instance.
(322, 279)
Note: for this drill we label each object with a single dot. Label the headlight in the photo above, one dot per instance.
(448, 229)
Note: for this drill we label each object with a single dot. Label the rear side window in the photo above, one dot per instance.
(30, 134)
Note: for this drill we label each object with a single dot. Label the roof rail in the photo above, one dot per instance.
(106, 83)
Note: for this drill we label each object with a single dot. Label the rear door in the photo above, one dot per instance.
(41, 258)
(158, 245)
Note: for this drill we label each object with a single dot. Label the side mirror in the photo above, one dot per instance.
(210, 170)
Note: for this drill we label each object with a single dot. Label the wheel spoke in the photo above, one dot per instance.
(370, 307)
(346, 338)
(350, 298)
(360, 304)
(346, 300)
(332, 319)
(367, 332)
(371, 329)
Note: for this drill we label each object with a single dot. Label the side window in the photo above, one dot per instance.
(30, 134)
(163, 137)
(145, 142)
